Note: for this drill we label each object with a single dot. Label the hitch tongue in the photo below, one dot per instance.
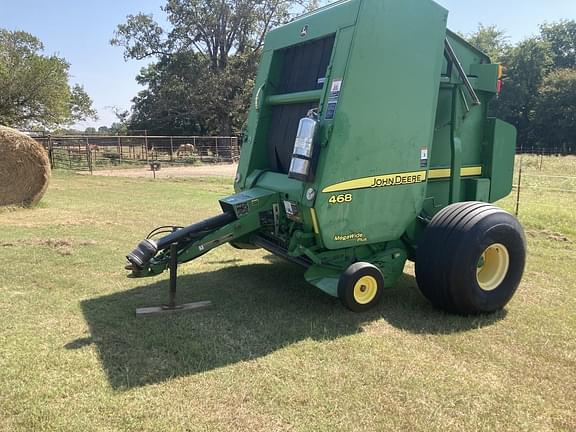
(141, 257)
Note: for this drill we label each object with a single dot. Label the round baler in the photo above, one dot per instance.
(369, 143)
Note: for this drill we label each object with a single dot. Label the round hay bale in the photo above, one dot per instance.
(24, 169)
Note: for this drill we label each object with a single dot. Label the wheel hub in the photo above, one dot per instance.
(493, 267)
(365, 289)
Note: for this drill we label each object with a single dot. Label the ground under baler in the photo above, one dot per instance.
(369, 144)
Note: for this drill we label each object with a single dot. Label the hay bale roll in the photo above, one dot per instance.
(24, 169)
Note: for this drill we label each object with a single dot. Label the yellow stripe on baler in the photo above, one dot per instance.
(435, 174)
(315, 221)
(400, 179)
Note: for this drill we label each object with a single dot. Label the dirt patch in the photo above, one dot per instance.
(227, 170)
(61, 246)
(550, 235)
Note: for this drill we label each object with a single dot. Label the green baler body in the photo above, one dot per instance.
(399, 138)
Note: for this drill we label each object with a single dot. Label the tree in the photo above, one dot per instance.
(35, 89)
(118, 128)
(561, 37)
(555, 110)
(172, 102)
(220, 41)
(533, 81)
(490, 40)
(526, 66)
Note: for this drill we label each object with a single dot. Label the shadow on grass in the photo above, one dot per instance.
(258, 309)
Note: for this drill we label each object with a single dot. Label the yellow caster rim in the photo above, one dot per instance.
(365, 290)
(493, 267)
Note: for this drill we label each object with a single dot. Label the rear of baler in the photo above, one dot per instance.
(369, 143)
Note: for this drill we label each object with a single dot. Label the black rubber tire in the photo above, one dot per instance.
(348, 280)
(449, 251)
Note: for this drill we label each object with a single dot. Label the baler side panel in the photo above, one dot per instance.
(473, 129)
(384, 122)
(500, 154)
(254, 155)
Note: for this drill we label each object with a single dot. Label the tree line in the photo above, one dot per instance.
(539, 91)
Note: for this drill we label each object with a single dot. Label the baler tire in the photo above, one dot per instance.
(360, 287)
(471, 258)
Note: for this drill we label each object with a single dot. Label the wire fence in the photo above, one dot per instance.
(544, 181)
(88, 153)
(567, 150)
(544, 177)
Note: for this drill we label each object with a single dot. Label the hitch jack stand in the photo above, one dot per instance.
(171, 307)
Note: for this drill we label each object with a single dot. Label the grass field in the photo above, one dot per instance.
(273, 353)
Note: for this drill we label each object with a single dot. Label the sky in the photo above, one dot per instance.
(80, 32)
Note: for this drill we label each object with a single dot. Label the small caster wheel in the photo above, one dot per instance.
(360, 287)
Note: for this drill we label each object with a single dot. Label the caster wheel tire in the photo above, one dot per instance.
(360, 287)
(471, 258)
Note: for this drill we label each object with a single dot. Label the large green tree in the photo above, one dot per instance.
(561, 37)
(206, 61)
(554, 119)
(537, 96)
(34, 88)
(526, 66)
(490, 40)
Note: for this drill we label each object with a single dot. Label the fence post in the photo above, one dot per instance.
(541, 159)
(216, 149)
(89, 155)
(196, 148)
(171, 148)
(50, 152)
(519, 186)
(146, 145)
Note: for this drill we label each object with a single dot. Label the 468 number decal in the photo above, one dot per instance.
(340, 199)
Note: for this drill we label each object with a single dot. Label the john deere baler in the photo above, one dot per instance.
(369, 144)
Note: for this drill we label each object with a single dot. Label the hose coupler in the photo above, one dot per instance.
(144, 252)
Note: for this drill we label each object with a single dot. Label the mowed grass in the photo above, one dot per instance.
(273, 353)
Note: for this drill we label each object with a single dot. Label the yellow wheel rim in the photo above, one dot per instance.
(493, 267)
(365, 290)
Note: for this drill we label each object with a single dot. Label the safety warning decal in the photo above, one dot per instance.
(423, 157)
(335, 90)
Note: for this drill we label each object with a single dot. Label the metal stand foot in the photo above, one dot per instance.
(171, 307)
